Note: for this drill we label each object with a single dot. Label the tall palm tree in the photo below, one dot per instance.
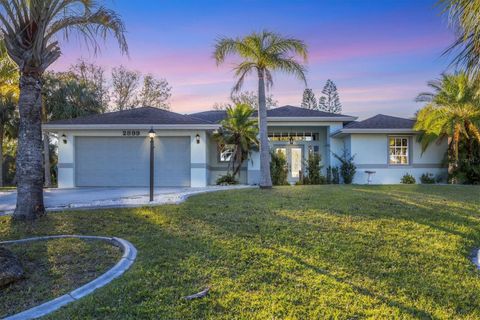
(464, 17)
(31, 31)
(239, 131)
(263, 53)
(452, 111)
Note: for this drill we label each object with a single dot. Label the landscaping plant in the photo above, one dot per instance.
(408, 179)
(278, 168)
(347, 167)
(227, 179)
(313, 169)
(427, 178)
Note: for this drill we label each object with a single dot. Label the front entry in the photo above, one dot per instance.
(294, 156)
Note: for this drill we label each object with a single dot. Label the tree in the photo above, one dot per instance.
(125, 84)
(155, 93)
(239, 131)
(463, 17)
(30, 29)
(263, 53)
(330, 102)
(452, 111)
(93, 76)
(309, 101)
(246, 97)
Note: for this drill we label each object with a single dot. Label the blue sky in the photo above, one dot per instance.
(379, 53)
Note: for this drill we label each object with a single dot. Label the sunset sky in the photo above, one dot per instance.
(379, 53)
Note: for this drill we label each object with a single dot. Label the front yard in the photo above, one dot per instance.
(305, 252)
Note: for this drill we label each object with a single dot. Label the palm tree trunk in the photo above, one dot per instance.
(46, 157)
(265, 178)
(29, 160)
(1, 154)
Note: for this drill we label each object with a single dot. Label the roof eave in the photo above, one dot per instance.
(53, 127)
(312, 119)
(343, 132)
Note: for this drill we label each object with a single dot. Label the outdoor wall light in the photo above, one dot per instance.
(291, 140)
(151, 133)
(197, 137)
(64, 138)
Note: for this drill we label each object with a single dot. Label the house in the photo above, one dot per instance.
(113, 149)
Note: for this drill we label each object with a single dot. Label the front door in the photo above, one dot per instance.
(294, 156)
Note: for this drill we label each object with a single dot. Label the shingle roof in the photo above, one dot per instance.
(381, 121)
(143, 115)
(286, 111)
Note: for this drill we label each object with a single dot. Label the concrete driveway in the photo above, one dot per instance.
(61, 199)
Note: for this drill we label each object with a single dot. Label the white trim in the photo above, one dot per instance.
(342, 132)
(312, 119)
(129, 126)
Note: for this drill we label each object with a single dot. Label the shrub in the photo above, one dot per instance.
(427, 178)
(335, 175)
(347, 167)
(278, 169)
(408, 179)
(329, 175)
(227, 179)
(313, 168)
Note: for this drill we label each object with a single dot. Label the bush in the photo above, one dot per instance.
(408, 179)
(335, 175)
(227, 179)
(278, 169)
(313, 168)
(347, 167)
(427, 178)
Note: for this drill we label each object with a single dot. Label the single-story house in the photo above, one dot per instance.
(113, 149)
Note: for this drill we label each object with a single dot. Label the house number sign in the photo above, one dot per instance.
(129, 133)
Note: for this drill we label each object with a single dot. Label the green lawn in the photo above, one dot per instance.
(346, 252)
(53, 268)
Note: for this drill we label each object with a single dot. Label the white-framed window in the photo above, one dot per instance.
(398, 150)
(226, 153)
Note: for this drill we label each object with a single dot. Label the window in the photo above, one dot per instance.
(292, 136)
(398, 151)
(226, 153)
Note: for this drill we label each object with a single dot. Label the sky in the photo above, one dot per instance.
(380, 53)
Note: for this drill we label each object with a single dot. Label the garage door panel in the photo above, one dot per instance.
(111, 161)
(119, 161)
(172, 161)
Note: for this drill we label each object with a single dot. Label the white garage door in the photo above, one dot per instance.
(120, 161)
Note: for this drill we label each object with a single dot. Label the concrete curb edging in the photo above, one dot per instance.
(125, 262)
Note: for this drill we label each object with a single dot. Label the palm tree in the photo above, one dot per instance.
(452, 112)
(263, 53)
(240, 131)
(31, 29)
(463, 16)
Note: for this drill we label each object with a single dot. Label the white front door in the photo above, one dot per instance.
(295, 163)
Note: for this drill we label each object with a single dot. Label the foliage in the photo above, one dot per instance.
(407, 178)
(263, 53)
(227, 179)
(94, 77)
(452, 112)
(330, 102)
(467, 170)
(333, 175)
(313, 168)
(427, 178)
(124, 85)
(347, 167)
(239, 130)
(251, 98)
(309, 101)
(278, 168)
(463, 16)
(155, 93)
(318, 252)
(9, 166)
(65, 96)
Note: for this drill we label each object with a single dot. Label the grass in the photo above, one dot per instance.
(304, 252)
(53, 268)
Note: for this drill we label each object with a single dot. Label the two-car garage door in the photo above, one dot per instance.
(125, 161)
